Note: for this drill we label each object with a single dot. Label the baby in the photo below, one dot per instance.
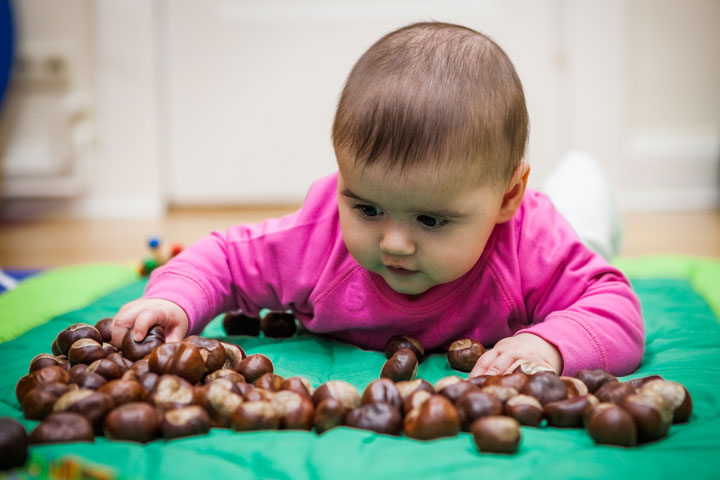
(426, 230)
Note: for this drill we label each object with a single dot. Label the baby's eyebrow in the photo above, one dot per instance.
(441, 213)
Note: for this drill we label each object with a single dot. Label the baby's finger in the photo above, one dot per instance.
(144, 321)
(121, 323)
(500, 365)
(485, 360)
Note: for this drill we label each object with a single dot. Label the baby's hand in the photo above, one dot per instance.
(511, 352)
(142, 314)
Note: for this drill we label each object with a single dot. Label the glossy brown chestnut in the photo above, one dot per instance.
(614, 392)
(456, 390)
(496, 434)
(254, 366)
(514, 380)
(378, 417)
(226, 373)
(255, 394)
(397, 342)
(185, 422)
(46, 360)
(278, 324)
(13, 444)
(408, 387)
(610, 424)
(546, 387)
(109, 348)
(382, 390)
(575, 387)
(436, 417)
(75, 332)
(676, 397)
(480, 380)
(637, 383)
(525, 409)
(123, 363)
(475, 404)
(89, 380)
(651, 414)
(233, 355)
(148, 381)
(88, 403)
(103, 326)
(220, 399)
(178, 358)
(107, 368)
(75, 372)
(171, 391)
(237, 323)
(38, 402)
(463, 354)
(501, 393)
(269, 382)
(42, 376)
(415, 400)
(54, 348)
(135, 422)
(445, 381)
(299, 385)
(594, 379)
(211, 351)
(255, 416)
(123, 391)
(569, 413)
(402, 365)
(62, 427)
(140, 367)
(340, 390)
(329, 414)
(137, 350)
(86, 351)
(295, 411)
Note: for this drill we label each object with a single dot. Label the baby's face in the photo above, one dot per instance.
(417, 229)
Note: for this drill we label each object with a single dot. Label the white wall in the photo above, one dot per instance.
(231, 101)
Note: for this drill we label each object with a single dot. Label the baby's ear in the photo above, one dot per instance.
(512, 198)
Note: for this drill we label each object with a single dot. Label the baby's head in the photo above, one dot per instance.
(429, 134)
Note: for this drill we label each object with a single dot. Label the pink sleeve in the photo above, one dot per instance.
(250, 267)
(576, 301)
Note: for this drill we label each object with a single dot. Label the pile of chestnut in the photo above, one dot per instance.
(152, 389)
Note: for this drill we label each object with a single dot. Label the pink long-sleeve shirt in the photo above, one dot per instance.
(534, 276)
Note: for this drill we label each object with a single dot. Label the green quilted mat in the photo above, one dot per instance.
(683, 344)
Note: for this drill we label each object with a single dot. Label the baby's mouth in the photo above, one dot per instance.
(399, 271)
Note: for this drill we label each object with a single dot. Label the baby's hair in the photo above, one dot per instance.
(434, 92)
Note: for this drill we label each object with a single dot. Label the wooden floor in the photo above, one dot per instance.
(37, 244)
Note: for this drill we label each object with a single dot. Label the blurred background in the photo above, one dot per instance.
(124, 119)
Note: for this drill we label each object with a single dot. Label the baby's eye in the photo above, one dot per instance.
(368, 210)
(431, 222)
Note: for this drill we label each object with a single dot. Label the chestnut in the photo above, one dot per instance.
(137, 350)
(140, 367)
(103, 326)
(226, 373)
(89, 380)
(178, 358)
(329, 414)
(135, 421)
(75, 332)
(545, 386)
(525, 409)
(474, 404)
(148, 381)
(401, 366)
(269, 382)
(480, 380)
(569, 413)
(171, 391)
(675, 395)
(211, 351)
(456, 390)
(85, 350)
(123, 363)
(13, 444)
(637, 383)
(42, 376)
(463, 354)
(397, 342)
(255, 416)
(514, 380)
(594, 379)
(436, 417)
(609, 424)
(379, 417)
(88, 403)
(75, 372)
(614, 392)
(501, 393)
(575, 387)
(220, 399)
(278, 324)
(62, 427)
(54, 348)
(185, 422)
(340, 390)
(408, 387)
(445, 381)
(123, 391)
(46, 360)
(233, 355)
(254, 366)
(299, 385)
(109, 348)
(382, 390)
(237, 323)
(496, 433)
(107, 368)
(256, 394)
(38, 402)
(295, 411)
(651, 414)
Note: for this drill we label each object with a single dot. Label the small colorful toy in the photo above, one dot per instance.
(157, 257)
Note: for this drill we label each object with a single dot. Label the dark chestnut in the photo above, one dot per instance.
(178, 358)
(340, 390)
(38, 402)
(237, 323)
(501, 393)
(75, 332)
(109, 348)
(445, 381)
(46, 360)
(13, 444)
(546, 387)
(269, 382)
(295, 411)
(415, 400)
(436, 417)
(475, 404)
(569, 413)
(514, 380)
(378, 417)
(88, 403)
(231, 375)
(89, 380)
(135, 421)
(185, 422)
(233, 355)
(397, 342)
(43, 376)
(456, 390)
(255, 416)
(525, 409)
(382, 390)
(652, 416)
(299, 385)
(614, 392)
(402, 365)
(329, 414)
(463, 354)
(575, 387)
(123, 391)
(480, 380)
(220, 399)
(103, 326)
(107, 368)
(675, 395)
(140, 367)
(496, 434)
(212, 352)
(637, 383)
(278, 324)
(171, 391)
(254, 366)
(594, 379)
(148, 381)
(75, 372)
(609, 424)
(137, 350)
(408, 387)
(85, 350)
(62, 427)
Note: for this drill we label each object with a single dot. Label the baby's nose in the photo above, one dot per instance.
(396, 241)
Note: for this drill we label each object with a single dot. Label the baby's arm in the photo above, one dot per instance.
(141, 314)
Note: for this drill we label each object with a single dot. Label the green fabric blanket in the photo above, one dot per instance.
(683, 344)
